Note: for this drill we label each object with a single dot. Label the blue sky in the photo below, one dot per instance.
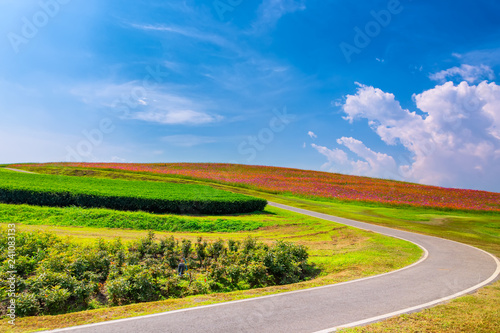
(404, 89)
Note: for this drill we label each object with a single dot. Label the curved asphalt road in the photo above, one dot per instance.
(448, 270)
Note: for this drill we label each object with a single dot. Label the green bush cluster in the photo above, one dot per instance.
(155, 197)
(57, 275)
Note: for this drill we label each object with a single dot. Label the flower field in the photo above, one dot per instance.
(315, 183)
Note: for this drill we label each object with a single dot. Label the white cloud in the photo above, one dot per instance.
(374, 164)
(312, 135)
(176, 117)
(132, 100)
(471, 74)
(456, 142)
(337, 158)
(370, 163)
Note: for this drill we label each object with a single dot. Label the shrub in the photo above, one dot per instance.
(54, 300)
(69, 276)
(135, 285)
(27, 304)
(286, 262)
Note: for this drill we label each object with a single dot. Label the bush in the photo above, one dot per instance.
(54, 300)
(69, 276)
(286, 262)
(134, 286)
(27, 304)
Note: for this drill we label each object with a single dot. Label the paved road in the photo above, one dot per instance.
(448, 270)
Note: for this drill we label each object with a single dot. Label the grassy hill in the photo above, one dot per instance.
(471, 217)
(305, 184)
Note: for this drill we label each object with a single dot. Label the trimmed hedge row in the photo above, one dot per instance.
(154, 197)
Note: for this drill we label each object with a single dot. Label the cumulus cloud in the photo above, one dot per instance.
(312, 135)
(453, 141)
(471, 74)
(373, 164)
(337, 158)
(369, 163)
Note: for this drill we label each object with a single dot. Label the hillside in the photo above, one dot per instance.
(313, 184)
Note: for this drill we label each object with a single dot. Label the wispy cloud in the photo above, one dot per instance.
(270, 11)
(490, 57)
(176, 117)
(186, 32)
(312, 135)
(132, 100)
(471, 74)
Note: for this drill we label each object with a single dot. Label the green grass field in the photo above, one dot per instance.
(50, 190)
(340, 253)
(478, 312)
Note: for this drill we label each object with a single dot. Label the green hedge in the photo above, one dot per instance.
(154, 197)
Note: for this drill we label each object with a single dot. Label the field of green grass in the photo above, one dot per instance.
(51, 190)
(339, 253)
(481, 229)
